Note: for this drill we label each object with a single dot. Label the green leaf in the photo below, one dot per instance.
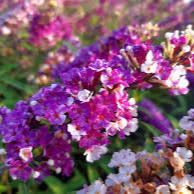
(173, 120)
(103, 164)
(92, 174)
(151, 129)
(23, 189)
(139, 166)
(149, 145)
(3, 188)
(7, 68)
(76, 182)
(55, 185)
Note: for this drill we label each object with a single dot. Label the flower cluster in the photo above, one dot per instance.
(92, 102)
(166, 65)
(18, 16)
(31, 147)
(57, 114)
(45, 32)
(89, 118)
(170, 170)
(150, 65)
(49, 71)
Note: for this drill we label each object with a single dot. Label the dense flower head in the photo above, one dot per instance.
(51, 103)
(105, 48)
(14, 122)
(105, 114)
(43, 32)
(29, 146)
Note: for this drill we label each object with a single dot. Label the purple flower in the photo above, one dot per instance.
(151, 114)
(51, 103)
(15, 122)
(77, 79)
(58, 151)
(114, 77)
(19, 170)
(45, 31)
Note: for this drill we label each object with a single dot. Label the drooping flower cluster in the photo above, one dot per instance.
(150, 65)
(166, 65)
(170, 170)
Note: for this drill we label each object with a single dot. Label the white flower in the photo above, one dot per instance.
(26, 153)
(162, 189)
(33, 102)
(58, 170)
(186, 48)
(38, 2)
(123, 157)
(122, 123)
(95, 152)
(51, 162)
(183, 82)
(181, 184)
(70, 101)
(84, 95)
(35, 174)
(76, 134)
(187, 1)
(175, 75)
(183, 190)
(132, 101)
(97, 188)
(131, 127)
(5, 30)
(53, 86)
(2, 151)
(129, 48)
(105, 77)
(191, 181)
(149, 66)
(112, 128)
(168, 35)
(183, 136)
(191, 112)
(184, 153)
(127, 170)
(114, 179)
(177, 80)
(187, 122)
